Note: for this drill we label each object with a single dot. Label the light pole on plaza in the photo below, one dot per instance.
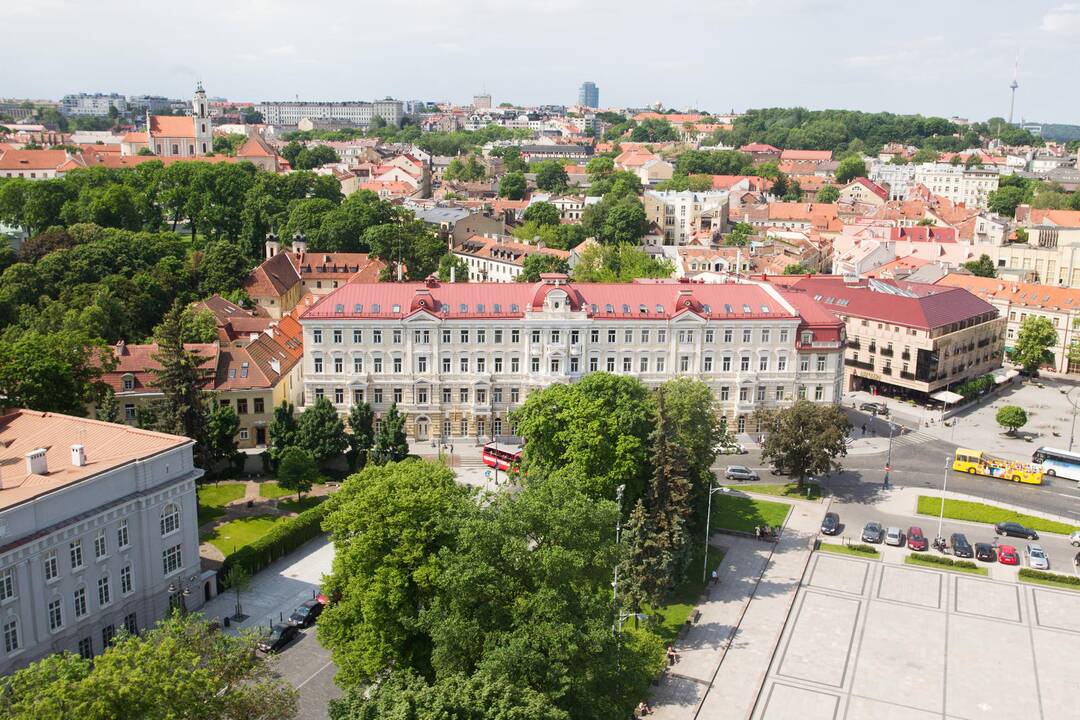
(708, 522)
(615, 585)
(944, 489)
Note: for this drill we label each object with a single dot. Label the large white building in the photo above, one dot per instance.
(456, 358)
(687, 215)
(92, 104)
(355, 113)
(98, 532)
(970, 186)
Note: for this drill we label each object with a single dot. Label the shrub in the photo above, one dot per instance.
(861, 548)
(947, 562)
(283, 538)
(1049, 577)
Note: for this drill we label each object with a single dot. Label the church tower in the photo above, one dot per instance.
(204, 128)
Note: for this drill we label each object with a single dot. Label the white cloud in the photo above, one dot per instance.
(1062, 19)
(282, 50)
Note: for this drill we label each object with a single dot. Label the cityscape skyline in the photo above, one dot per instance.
(962, 68)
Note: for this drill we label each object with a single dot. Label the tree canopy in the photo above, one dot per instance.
(806, 438)
(1032, 347)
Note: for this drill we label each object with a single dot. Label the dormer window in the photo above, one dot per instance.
(129, 382)
(463, 308)
(626, 309)
(396, 308)
(808, 337)
(659, 309)
(608, 308)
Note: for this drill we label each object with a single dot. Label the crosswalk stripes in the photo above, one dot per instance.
(915, 438)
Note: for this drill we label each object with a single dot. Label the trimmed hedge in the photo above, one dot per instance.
(1050, 577)
(864, 549)
(282, 539)
(948, 562)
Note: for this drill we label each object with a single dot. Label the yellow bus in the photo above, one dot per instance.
(976, 462)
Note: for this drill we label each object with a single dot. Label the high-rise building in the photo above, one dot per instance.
(589, 95)
(482, 102)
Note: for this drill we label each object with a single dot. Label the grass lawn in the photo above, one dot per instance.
(307, 503)
(918, 560)
(982, 513)
(1063, 585)
(213, 498)
(733, 512)
(233, 535)
(791, 490)
(847, 550)
(672, 616)
(270, 489)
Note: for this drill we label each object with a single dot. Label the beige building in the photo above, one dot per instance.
(687, 217)
(971, 186)
(499, 258)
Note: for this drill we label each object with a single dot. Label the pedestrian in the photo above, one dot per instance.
(715, 576)
(864, 428)
(643, 709)
(757, 531)
(672, 655)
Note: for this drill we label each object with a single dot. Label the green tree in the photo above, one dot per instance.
(806, 438)
(925, 155)
(695, 428)
(411, 242)
(282, 430)
(228, 143)
(1032, 349)
(740, 234)
(798, 269)
(668, 498)
(108, 409)
(828, 194)
(320, 431)
(599, 168)
(849, 169)
(625, 221)
(361, 432)
(182, 668)
(543, 213)
(512, 160)
(983, 267)
(297, 471)
(224, 268)
(512, 186)
(533, 265)
(197, 327)
(222, 428)
(467, 169)
(450, 262)
(1011, 417)
(642, 570)
(653, 130)
(551, 175)
(717, 162)
(388, 524)
(315, 156)
(53, 372)
(619, 263)
(1005, 200)
(182, 409)
(391, 444)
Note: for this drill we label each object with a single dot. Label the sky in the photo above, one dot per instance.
(940, 57)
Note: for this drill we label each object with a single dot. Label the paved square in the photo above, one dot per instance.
(917, 644)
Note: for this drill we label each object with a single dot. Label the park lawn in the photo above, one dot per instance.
(671, 617)
(983, 513)
(791, 490)
(847, 550)
(235, 534)
(308, 502)
(735, 512)
(918, 560)
(271, 489)
(213, 499)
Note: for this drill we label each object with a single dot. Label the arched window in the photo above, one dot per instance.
(170, 519)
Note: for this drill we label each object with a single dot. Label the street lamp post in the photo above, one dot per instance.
(615, 585)
(1072, 427)
(888, 458)
(708, 523)
(944, 489)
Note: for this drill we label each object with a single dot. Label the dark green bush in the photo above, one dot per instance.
(282, 539)
(948, 562)
(1052, 577)
(861, 548)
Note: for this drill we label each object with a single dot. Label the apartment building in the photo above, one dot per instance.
(909, 339)
(98, 532)
(959, 184)
(686, 216)
(499, 258)
(456, 358)
(359, 114)
(83, 104)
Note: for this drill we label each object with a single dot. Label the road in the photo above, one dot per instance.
(306, 665)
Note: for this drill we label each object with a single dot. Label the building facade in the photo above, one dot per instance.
(971, 186)
(84, 104)
(684, 214)
(99, 533)
(456, 358)
(359, 114)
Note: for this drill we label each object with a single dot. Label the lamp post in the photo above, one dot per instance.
(179, 591)
(888, 457)
(615, 584)
(1072, 427)
(708, 529)
(944, 489)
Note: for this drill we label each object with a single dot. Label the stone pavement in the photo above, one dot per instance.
(726, 655)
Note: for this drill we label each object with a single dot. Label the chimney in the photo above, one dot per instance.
(78, 455)
(453, 273)
(36, 463)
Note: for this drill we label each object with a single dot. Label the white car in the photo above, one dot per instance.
(1036, 557)
(1075, 538)
(732, 449)
(894, 536)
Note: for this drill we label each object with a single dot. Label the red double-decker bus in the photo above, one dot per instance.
(503, 452)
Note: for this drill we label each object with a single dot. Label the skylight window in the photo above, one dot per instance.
(480, 309)
(513, 307)
(608, 308)
(463, 308)
(445, 308)
(339, 309)
(497, 307)
(643, 309)
(707, 308)
(376, 308)
(626, 309)
(765, 309)
(659, 309)
(746, 308)
(728, 309)
(358, 308)
(243, 370)
(396, 308)
(594, 308)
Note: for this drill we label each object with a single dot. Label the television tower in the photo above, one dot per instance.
(1012, 86)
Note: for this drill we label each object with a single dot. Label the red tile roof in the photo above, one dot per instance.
(1027, 294)
(758, 148)
(923, 233)
(138, 361)
(806, 155)
(172, 126)
(872, 187)
(28, 160)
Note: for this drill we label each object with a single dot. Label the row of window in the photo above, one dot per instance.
(466, 335)
(258, 405)
(12, 640)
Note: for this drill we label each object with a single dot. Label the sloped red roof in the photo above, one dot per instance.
(172, 126)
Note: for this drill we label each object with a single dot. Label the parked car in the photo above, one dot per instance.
(1036, 557)
(731, 449)
(916, 540)
(872, 532)
(740, 472)
(306, 615)
(985, 552)
(775, 469)
(1007, 555)
(875, 408)
(960, 545)
(279, 636)
(831, 524)
(1013, 529)
(894, 536)
(1075, 538)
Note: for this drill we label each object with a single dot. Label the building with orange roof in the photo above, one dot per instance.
(821, 217)
(236, 324)
(32, 164)
(100, 533)
(1018, 301)
(497, 258)
(862, 192)
(258, 152)
(182, 136)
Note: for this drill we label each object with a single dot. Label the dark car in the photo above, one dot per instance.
(915, 539)
(875, 408)
(831, 524)
(985, 552)
(305, 615)
(278, 637)
(873, 532)
(960, 546)
(1014, 529)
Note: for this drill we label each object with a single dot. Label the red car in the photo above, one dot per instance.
(1007, 555)
(915, 539)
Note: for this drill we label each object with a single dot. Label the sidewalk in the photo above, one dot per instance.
(726, 656)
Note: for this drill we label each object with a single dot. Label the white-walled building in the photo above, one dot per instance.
(970, 186)
(355, 113)
(98, 532)
(456, 358)
(684, 214)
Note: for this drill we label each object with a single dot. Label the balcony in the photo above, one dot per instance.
(851, 362)
(854, 343)
(905, 375)
(905, 355)
(985, 341)
(886, 352)
(872, 348)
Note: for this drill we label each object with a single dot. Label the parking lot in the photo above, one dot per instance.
(867, 639)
